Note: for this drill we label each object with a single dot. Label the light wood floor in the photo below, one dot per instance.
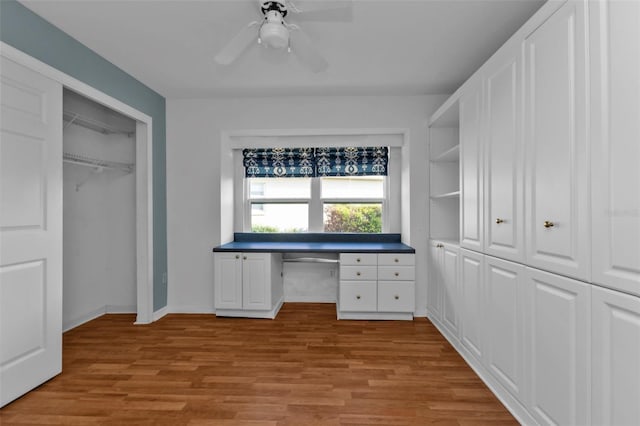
(303, 368)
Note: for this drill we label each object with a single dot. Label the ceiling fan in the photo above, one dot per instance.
(273, 31)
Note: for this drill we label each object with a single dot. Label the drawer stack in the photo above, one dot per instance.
(376, 286)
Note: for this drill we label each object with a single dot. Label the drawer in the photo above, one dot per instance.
(396, 273)
(360, 296)
(358, 259)
(396, 296)
(403, 259)
(358, 273)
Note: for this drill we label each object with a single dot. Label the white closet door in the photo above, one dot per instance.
(450, 303)
(556, 183)
(615, 136)
(30, 230)
(472, 303)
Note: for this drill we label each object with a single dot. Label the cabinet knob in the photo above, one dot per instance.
(244, 257)
(358, 273)
(358, 260)
(439, 246)
(358, 297)
(396, 297)
(548, 224)
(396, 260)
(237, 256)
(499, 221)
(397, 274)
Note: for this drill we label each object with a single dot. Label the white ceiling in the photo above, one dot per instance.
(390, 47)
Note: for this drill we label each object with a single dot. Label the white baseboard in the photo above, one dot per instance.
(309, 299)
(191, 309)
(106, 309)
(159, 313)
(121, 309)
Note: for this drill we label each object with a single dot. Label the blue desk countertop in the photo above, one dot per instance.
(316, 243)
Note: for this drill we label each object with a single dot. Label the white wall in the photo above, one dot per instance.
(194, 129)
(99, 246)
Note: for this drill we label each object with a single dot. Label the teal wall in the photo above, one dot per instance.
(26, 31)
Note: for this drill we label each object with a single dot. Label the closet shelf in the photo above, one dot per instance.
(96, 163)
(451, 155)
(70, 117)
(448, 195)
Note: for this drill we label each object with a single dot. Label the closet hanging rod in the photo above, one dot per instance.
(71, 117)
(97, 163)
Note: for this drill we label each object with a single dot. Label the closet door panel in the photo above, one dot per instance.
(555, 137)
(434, 290)
(504, 217)
(471, 228)
(450, 303)
(558, 316)
(472, 304)
(615, 136)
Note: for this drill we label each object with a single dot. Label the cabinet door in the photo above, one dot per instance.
(228, 280)
(472, 309)
(504, 316)
(434, 289)
(615, 136)
(503, 171)
(450, 288)
(471, 170)
(556, 183)
(616, 358)
(558, 347)
(256, 283)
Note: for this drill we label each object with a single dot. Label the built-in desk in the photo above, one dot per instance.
(377, 273)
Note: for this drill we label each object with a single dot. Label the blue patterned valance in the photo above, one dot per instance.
(279, 162)
(352, 161)
(312, 162)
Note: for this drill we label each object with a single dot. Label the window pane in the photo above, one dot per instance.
(346, 217)
(279, 188)
(353, 187)
(279, 217)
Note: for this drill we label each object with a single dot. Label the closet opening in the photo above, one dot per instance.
(99, 211)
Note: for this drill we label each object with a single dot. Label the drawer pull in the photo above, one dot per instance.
(358, 297)
(548, 224)
(358, 273)
(237, 256)
(397, 274)
(358, 260)
(439, 246)
(396, 260)
(244, 257)
(499, 221)
(396, 297)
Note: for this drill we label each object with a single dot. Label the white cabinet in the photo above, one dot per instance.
(615, 136)
(376, 286)
(434, 286)
(504, 321)
(444, 284)
(555, 124)
(248, 284)
(557, 348)
(615, 357)
(472, 304)
(471, 214)
(503, 167)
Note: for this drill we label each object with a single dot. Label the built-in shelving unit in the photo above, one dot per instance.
(73, 118)
(444, 174)
(97, 163)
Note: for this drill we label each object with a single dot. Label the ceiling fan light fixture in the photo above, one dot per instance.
(274, 35)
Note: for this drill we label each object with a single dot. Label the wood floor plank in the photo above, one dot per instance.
(303, 368)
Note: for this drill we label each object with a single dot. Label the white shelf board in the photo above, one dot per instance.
(448, 195)
(451, 155)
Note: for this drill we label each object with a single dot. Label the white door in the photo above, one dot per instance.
(30, 230)
(256, 281)
(615, 136)
(504, 316)
(228, 280)
(450, 288)
(434, 289)
(615, 357)
(503, 170)
(556, 179)
(557, 348)
(471, 169)
(472, 305)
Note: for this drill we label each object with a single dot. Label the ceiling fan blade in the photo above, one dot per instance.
(303, 48)
(326, 10)
(237, 45)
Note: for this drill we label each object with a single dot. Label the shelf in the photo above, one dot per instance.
(451, 155)
(96, 163)
(70, 117)
(448, 195)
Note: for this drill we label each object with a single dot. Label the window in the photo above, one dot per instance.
(323, 204)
